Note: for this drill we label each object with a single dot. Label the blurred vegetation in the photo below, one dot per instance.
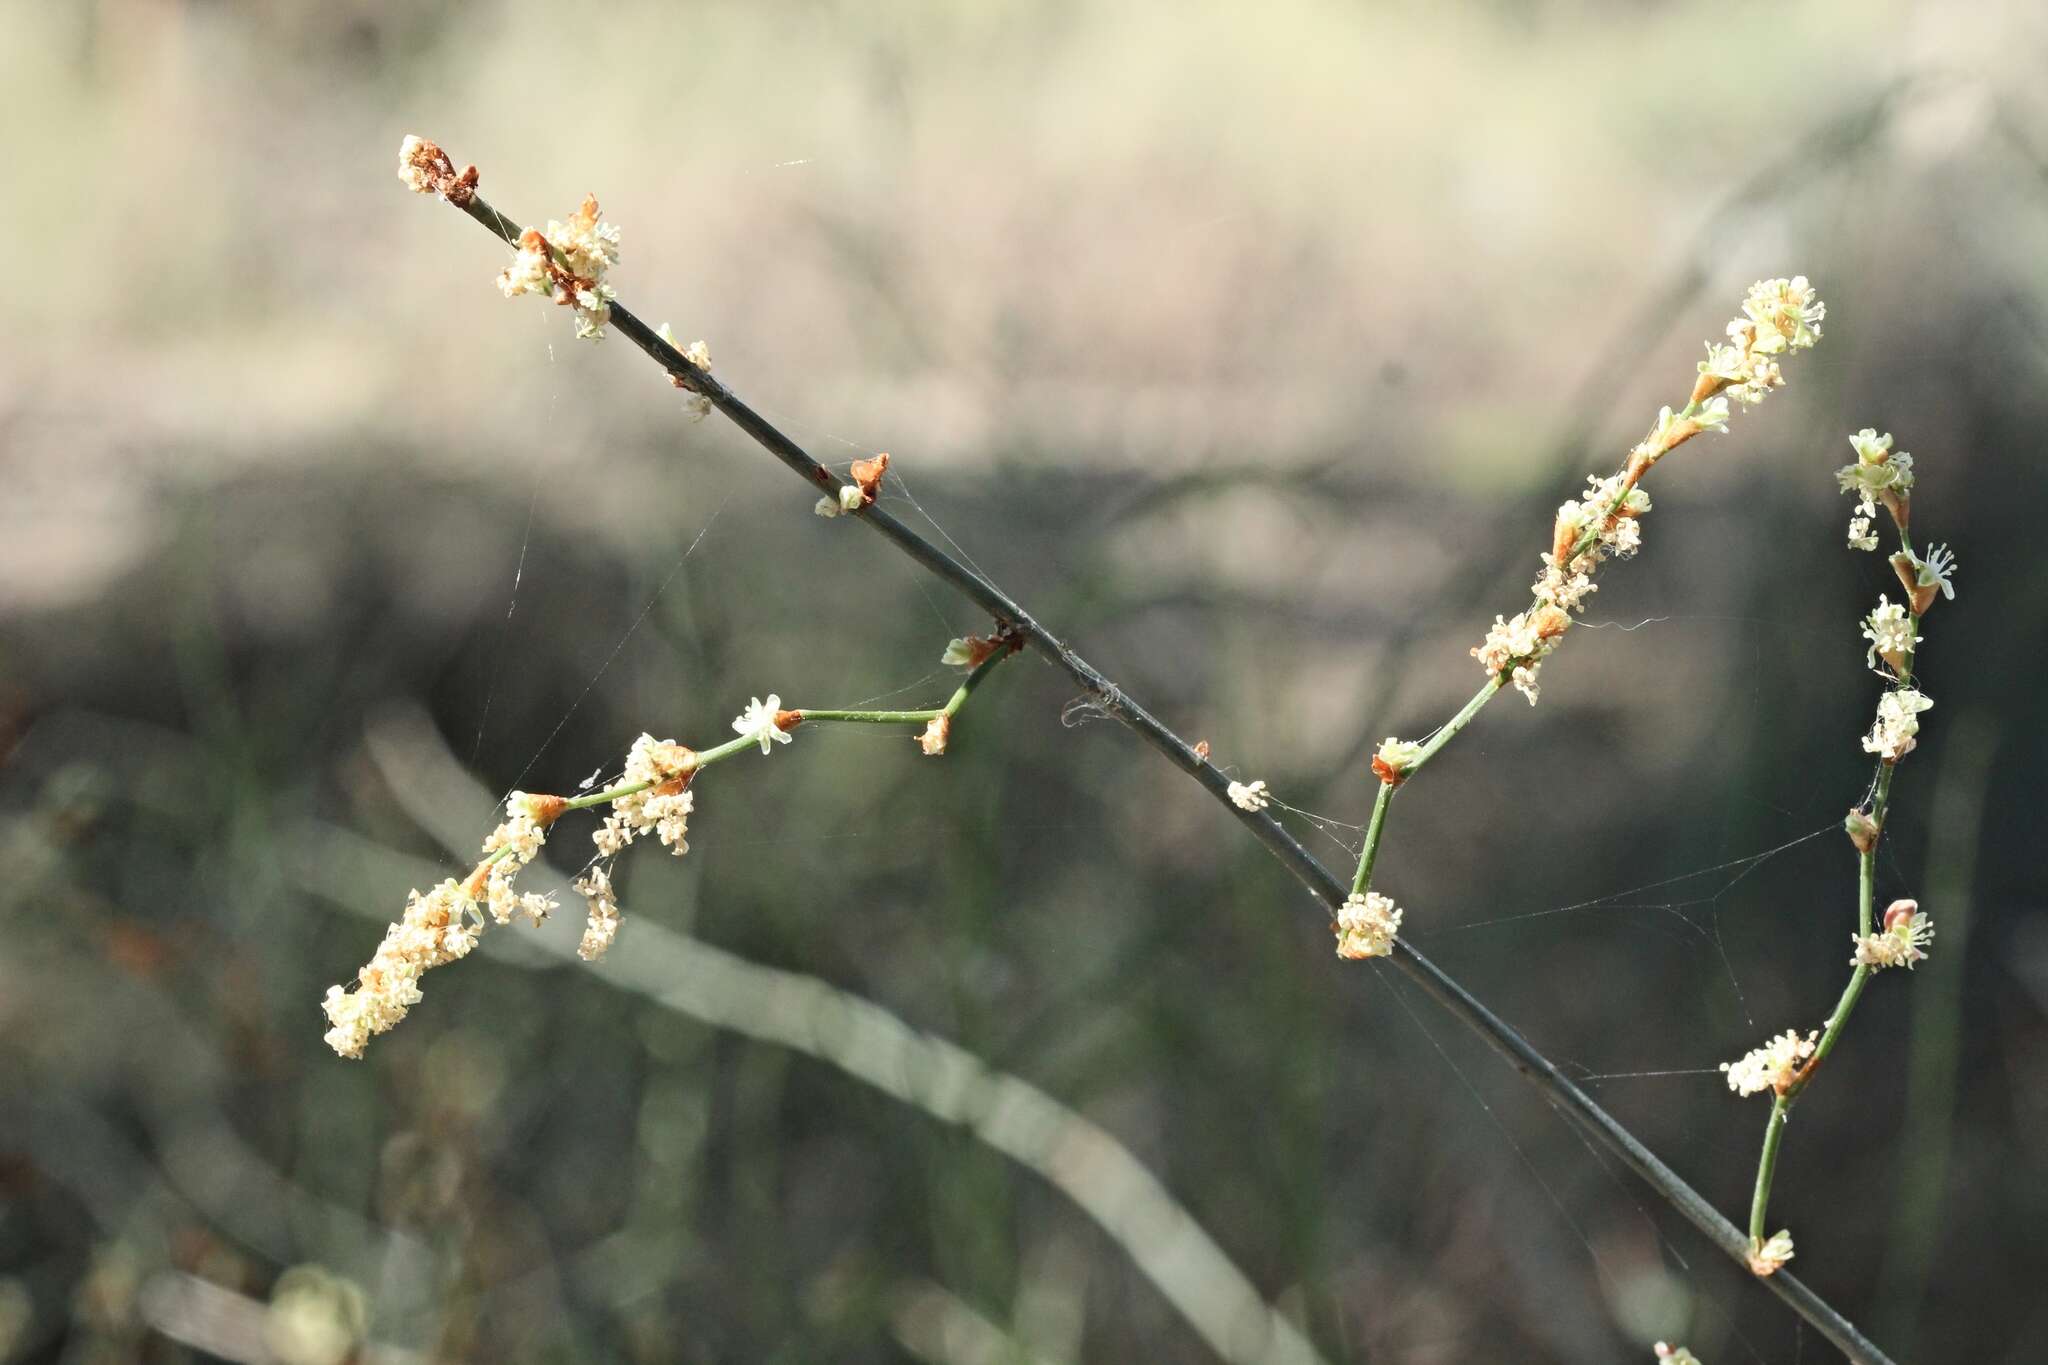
(1252, 351)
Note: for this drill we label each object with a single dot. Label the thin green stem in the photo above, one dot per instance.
(608, 794)
(1831, 1032)
(1587, 536)
(1371, 852)
(1767, 1166)
(1449, 730)
(950, 709)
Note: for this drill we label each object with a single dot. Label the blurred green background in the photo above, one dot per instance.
(1252, 348)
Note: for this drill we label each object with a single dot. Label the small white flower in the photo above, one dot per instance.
(1938, 570)
(1889, 630)
(1395, 756)
(826, 507)
(1772, 1066)
(1367, 926)
(1713, 415)
(1524, 679)
(1250, 795)
(1891, 738)
(1870, 447)
(1901, 943)
(1861, 537)
(1787, 314)
(851, 497)
(670, 816)
(1878, 468)
(758, 722)
(959, 654)
(602, 906)
(1768, 1257)
(1676, 1355)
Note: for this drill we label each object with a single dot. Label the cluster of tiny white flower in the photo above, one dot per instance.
(1772, 1066)
(1676, 1355)
(662, 806)
(1768, 1256)
(1901, 942)
(1778, 317)
(568, 264)
(1891, 635)
(602, 926)
(1518, 647)
(1878, 475)
(698, 354)
(441, 925)
(511, 846)
(1898, 713)
(1367, 925)
(435, 929)
(1250, 795)
(1567, 577)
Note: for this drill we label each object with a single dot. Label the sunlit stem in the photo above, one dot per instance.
(1362, 879)
(1866, 895)
(951, 708)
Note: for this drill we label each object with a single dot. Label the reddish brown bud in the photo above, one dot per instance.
(1919, 597)
(544, 809)
(1551, 622)
(868, 474)
(1563, 536)
(1863, 831)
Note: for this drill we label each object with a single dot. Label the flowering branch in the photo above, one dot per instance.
(1779, 317)
(1563, 1094)
(1787, 1063)
(652, 796)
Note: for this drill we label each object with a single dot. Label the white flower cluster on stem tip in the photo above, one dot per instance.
(1778, 316)
(441, 925)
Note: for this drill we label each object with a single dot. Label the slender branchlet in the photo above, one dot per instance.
(568, 264)
(654, 794)
(1787, 1064)
(1778, 317)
